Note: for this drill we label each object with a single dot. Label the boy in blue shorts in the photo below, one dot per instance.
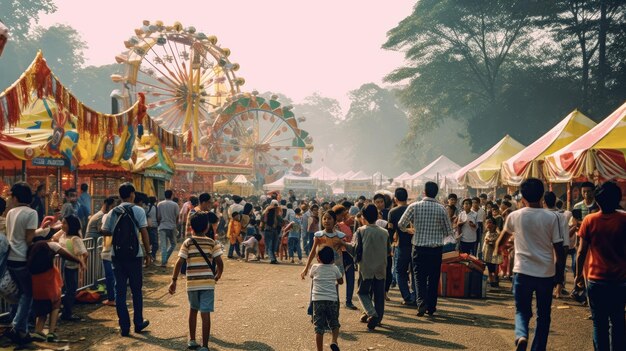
(204, 268)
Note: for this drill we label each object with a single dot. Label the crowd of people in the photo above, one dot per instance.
(371, 245)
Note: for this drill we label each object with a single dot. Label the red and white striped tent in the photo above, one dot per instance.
(601, 150)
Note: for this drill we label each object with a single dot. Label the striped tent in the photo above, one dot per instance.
(601, 149)
(484, 172)
(529, 162)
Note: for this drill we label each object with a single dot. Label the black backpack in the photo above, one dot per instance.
(125, 242)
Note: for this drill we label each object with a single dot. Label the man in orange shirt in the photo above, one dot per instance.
(603, 239)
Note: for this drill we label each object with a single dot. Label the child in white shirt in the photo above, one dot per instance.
(325, 299)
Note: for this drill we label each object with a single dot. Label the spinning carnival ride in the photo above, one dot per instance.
(184, 74)
(192, 90)
(253, 130)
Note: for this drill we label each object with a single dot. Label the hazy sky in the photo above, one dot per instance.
(288, 46)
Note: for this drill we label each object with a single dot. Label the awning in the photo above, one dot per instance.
(601, 149)
(529, 162)
(484, 172)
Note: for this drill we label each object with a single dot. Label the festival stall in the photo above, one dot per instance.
(290, 182)
(151, 166)
(484, 172)
(238, 186)
(359, 184)
(325, 174)
(436, 171)
(64, 134)
(529, 162)
(599, 154)
(402, 179)
(380, 180)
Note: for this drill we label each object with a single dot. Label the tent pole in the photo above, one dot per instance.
(23, 170)
(569, 194)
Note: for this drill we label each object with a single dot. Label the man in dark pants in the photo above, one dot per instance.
(371, 250)
(430, 225)
(129, 271)
(403, 250)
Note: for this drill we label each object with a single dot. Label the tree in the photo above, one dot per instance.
(63, 49)
(19, 16)
(373, 128)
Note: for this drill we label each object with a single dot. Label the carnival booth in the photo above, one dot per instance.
(380, 180)
(238, 186)
(435, 171)
(402, 179)
(299, 185)
(325, 174)
(529, 162)
(359, 184)
(598, 155)
(484, 172)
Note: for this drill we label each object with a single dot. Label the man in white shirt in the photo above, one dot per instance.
(537, 240)
(480, 218)
(467, 222)
(21, 222)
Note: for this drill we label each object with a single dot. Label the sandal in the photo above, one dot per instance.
(38, 336)
(108, 303)
(192, 345)
(52, 337)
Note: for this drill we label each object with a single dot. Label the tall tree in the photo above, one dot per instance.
(20, 16)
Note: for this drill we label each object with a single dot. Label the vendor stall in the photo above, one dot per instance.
(484, 172)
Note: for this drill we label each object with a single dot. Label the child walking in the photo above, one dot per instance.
(490, 256)
(326, 275)
(204, 268)
(294, 228)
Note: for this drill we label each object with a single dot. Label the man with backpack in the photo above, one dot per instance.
(125, 224)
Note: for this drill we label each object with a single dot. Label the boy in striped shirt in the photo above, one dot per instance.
(204, 269)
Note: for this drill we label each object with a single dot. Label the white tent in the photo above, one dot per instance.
(291, 182)
(345, 175)
(360, 175)
(241, 179)
(379, 179)
(440, 168)
(325, 174)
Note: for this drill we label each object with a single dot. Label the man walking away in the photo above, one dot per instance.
(538, 239)
(372, 248)
(167, 214)
(430, 225)
(126, 224)
(603, 239)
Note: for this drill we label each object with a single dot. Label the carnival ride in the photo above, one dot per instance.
(192, 92)
(254, 130)
(185, 74)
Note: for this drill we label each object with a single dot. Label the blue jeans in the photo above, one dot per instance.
(22, 278)
(166, 235)
(308, 243)
(523, 288)
(234, 247)
(607, 300)
(348, 264)
(128, 273)
(426, 271)
(572, 254)
(153, 234)
(109, 279)
(294, 247)
(403, 266)
(271, 243)
(393, 267)
(372, 295)
(70, 285)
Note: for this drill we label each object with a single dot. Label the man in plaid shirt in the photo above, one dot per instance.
(429, 225)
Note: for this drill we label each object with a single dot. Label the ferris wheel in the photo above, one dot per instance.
(185, 75)
(261, 132)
